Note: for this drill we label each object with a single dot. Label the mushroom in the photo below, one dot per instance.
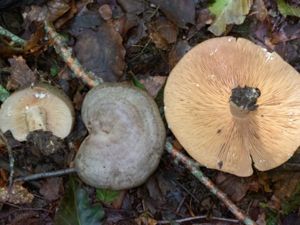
(230, 102)
(41, 107)
(126, 137)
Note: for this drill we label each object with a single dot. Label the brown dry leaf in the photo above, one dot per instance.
(133, 6)
(105, 12)
(153, 84)
(163, 32)
(18, 195)
(102, 52)
(99, 46)
(138, 32)
(204, 18)
(178, 51)
(51, 187)
(260, 10)
(287, 32)
(145, 219)
(3, 177)
(285, 184)
(51, 11)
(235, 187)
(180, 12)
(21, 74)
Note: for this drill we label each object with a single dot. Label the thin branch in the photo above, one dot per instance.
(66, 54)
(46, 174)
(190, 164)
(14, 38)
(11, 160)
(188, 219)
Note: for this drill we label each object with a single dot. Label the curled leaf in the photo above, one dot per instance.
(228, 12)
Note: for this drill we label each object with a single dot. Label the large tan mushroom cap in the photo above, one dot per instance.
(198, 111)
(126, 137)
(39, 107)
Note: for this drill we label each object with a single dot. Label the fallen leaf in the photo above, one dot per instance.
(285, 184)
(235, 187)
(106, 195)
(51, 11)
(163, 32)
(180, 12)
(21, 74)
(3, 93)
(50, 188)
(228, 12)
(17, 195)
(75, 208)
(204, 18)
(178, 51)
(105, 12)
(133, 6)
(137, 33)
(145, 219)
(99, 46)
(153, 84)
(260, 10)
(287, 10)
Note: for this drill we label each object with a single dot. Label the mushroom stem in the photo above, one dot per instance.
(36, 118)
(243, 100)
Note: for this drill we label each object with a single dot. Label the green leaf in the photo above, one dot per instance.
(228, 12)
(54, 70)
(75, 208)
(106, 195)
(137, 83)
(3, 94)
(287, 10)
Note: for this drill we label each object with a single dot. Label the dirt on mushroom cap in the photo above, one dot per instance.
(197, 106)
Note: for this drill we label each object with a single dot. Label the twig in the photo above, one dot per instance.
(66, 54)
(14, 38)
(46, 174)
(190, 164)
(11, 160)
(197, 218)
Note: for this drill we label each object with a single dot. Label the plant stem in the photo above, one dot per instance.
(66, 54)
(46, 174)
(14, 38)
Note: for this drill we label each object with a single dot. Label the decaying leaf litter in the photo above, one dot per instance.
(140, 42)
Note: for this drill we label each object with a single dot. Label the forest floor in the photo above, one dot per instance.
(137, 41)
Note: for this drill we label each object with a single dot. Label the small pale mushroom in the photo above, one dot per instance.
(231, 103)
(41, 107)
(126, 137)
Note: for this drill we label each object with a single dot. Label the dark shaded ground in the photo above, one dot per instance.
(138, 41)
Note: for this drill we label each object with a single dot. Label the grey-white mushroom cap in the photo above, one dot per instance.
(126, 137)
(39, 107)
